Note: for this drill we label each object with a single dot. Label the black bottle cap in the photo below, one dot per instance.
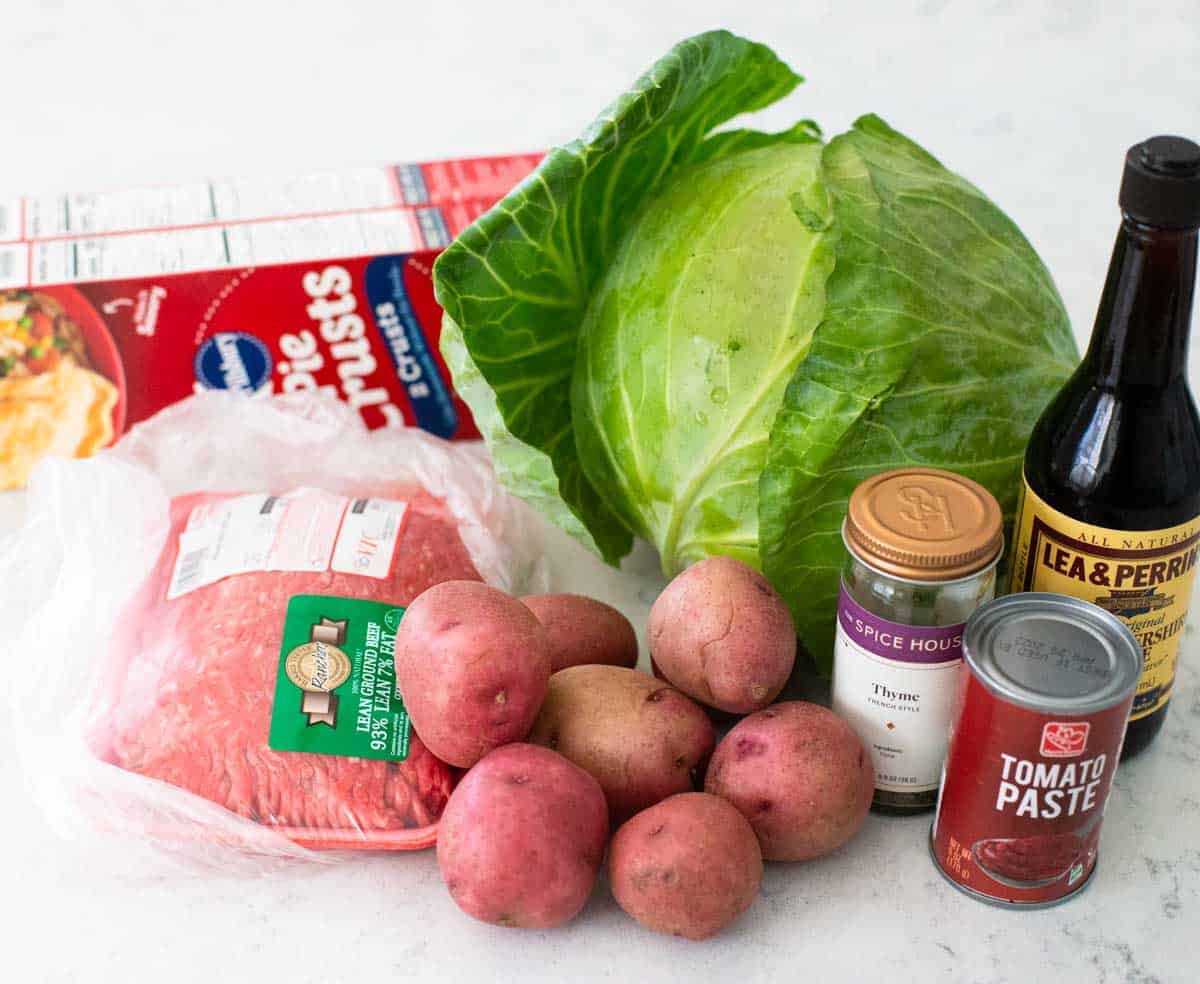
(1161, 185)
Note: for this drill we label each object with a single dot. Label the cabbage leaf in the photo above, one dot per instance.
(516, 284)
(689, 343)
(943, 338)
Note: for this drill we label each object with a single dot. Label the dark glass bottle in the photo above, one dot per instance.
(1112, 472)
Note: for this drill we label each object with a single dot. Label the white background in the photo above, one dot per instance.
(1035, 102)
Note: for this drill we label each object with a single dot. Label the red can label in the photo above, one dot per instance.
(1023, 794)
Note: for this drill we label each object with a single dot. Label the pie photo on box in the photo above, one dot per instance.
(60, 381)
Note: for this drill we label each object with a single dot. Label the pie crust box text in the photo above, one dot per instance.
(115, 305)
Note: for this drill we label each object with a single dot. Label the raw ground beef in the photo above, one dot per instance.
(200, 671)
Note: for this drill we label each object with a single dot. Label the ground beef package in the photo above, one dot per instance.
(201, 623)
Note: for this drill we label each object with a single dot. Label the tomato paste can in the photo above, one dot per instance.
(1043, 699)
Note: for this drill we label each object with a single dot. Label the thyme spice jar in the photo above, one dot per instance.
(921, 551)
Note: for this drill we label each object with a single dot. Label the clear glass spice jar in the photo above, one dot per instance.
(921, 552)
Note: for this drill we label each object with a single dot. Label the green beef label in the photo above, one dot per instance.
(335, 693)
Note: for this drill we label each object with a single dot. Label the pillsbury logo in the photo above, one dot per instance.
(233, 360)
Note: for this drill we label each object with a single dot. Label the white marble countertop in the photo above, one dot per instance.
(1034, 102)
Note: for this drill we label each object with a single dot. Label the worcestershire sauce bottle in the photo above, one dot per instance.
(1111, 498)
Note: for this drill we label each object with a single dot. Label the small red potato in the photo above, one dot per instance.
(799, 774)
(583, 630)
(642, 739)
(522, 837)
(721, 634)
(688, 866)
(472, 664)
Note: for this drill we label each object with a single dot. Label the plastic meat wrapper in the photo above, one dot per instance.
(142, 710)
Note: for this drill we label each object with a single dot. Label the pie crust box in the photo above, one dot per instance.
(115, 305)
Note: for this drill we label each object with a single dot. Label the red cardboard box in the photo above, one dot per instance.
(318, 282)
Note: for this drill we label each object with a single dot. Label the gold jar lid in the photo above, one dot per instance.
(924, 524)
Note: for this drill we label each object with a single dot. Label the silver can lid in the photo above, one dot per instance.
(1052, 653)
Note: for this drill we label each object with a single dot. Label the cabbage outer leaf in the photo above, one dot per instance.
(943, 339)
(516, 284)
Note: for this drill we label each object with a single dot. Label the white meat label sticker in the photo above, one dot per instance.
(895, 685)
(303, 530)
(367, 541)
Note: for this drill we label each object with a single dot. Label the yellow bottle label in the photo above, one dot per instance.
(1144, 577)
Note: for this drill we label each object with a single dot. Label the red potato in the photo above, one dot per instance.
(721, 634)
(522, 839)
(583, 630)
(799, 774)
(688, 866)
(472, 664)
(641, 739)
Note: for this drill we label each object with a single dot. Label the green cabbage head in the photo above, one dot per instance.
(706, 338)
